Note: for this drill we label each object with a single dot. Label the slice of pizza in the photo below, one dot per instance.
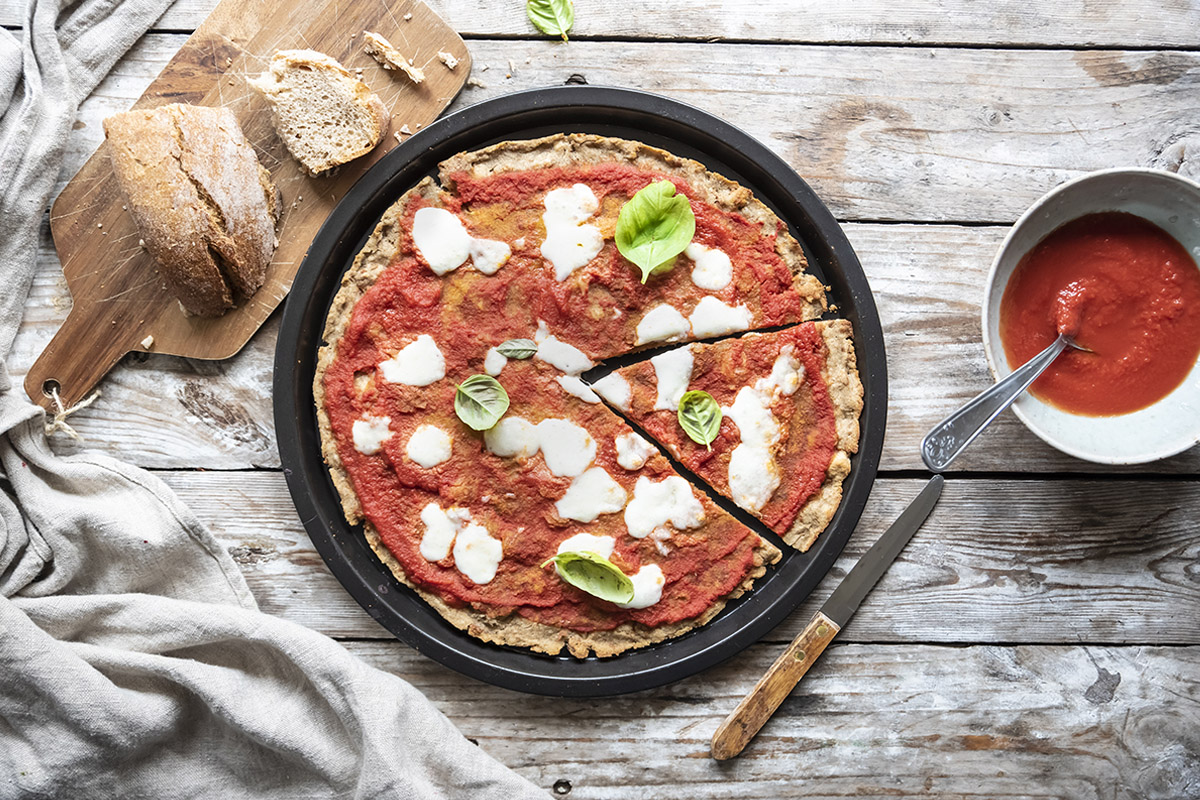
(789, 403)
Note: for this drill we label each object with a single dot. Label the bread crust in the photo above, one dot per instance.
(204, 206)
(385, 242)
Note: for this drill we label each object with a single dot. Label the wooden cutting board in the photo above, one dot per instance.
(120, 303)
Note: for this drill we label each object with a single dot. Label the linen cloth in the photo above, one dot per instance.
(133, 660)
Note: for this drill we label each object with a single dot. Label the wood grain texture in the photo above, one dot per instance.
(1069, 723)
(928, 280)
(756, 708)
(997, 561)
(1072, 22)
(881, 133)
(114, 282)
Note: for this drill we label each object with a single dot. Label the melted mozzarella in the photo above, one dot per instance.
(369, 433)
(615, 389)
(428, 446)
(487, 255)
(417, 364)
(648, 585)
(559, 354)
(663, 323)
(442, 240)
(512, 437)
(591, 494)
(655, 504)
(711, 317)
(440, 529)
(713, 270)
(588, 543)
(570, 243)
(753, 474)
(673, 371)
(575, 386)
(476, 554)
(632, 451)
(567, 448)
(494, 362)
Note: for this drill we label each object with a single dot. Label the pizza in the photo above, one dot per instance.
(506, 272)
(789, 401)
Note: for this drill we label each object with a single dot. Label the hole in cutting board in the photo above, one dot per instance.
(50, 387)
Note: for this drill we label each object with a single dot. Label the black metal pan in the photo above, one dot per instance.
(680, 129)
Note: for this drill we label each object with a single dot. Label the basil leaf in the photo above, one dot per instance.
(594, 574)
(480, 401)
(654, 227)
(552, 17)
(517, 348)
(700, 417)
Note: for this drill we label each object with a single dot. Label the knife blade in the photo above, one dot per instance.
(756, 708)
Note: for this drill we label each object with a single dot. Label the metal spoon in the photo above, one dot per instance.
(952, 435)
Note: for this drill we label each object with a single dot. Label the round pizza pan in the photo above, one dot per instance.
(656, 120)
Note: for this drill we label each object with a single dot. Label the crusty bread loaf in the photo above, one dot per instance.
(324, 114)
(204, 206)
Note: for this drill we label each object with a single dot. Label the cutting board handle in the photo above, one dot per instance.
(80, 354)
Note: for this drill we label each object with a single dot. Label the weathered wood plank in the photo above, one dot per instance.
(1076, 22)
(998, 561)
(167, 412)
(882, 133)
(928, 279)
(1109, 723)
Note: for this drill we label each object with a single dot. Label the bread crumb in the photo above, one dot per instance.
(478, 84)
(228, 61)
(404, 129)
(408, 16)
(511, 69)
(529, 60)
(389, 57)
(485, 68)
(396, 134)
(124, 208)
(148, 342)
(99, 224)
(450, 61)
(141, 243)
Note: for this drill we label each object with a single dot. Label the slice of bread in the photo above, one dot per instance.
(324, 114)
(203, 205)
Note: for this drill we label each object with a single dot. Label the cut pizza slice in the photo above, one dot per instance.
(790, 402)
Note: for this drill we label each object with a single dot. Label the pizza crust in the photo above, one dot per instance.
(384, 243)
(574, 149)
(514, 630)
(846, 394)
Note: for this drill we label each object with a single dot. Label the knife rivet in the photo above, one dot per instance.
(822, 630)
(801, 655)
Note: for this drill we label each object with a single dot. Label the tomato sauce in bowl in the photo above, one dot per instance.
(1122, 287)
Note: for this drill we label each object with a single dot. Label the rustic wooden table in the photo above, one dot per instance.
(1040, 636)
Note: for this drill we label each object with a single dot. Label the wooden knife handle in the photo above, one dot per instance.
(757, 707)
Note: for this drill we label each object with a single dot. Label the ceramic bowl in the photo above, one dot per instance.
(1170, 425)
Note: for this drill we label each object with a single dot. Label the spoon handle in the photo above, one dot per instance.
(952, 435)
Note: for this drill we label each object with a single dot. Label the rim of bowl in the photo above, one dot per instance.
(990, 288)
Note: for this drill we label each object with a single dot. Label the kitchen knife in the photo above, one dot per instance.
(771, 690)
